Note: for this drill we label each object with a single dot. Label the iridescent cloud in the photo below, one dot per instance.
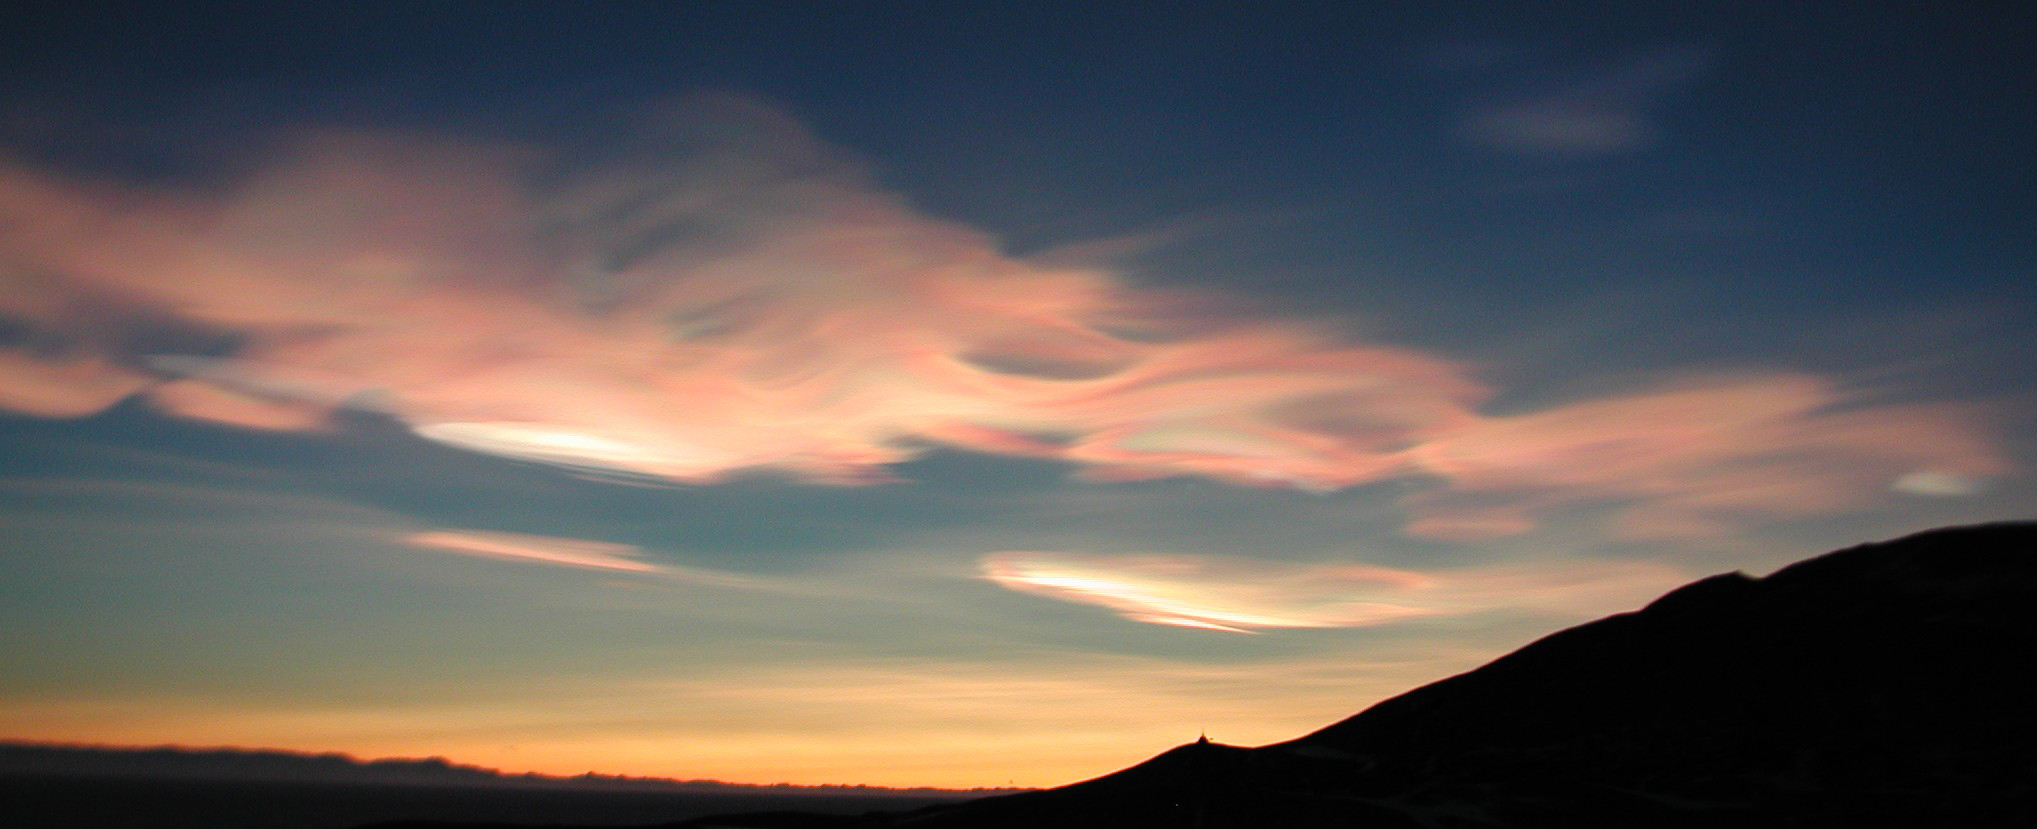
(1700, 458)
(1245, 596)
(727, 295)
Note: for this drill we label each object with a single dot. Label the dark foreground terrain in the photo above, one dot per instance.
(36, 802)
(75, 787)
(1885, 685)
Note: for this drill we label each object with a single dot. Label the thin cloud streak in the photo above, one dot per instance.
(1245, 596)
(563, 552)
(751, 302)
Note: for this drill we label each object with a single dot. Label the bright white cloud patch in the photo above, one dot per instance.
(726, 295)
(1244, 596)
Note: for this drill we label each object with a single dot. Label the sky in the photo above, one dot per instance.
(910, 393)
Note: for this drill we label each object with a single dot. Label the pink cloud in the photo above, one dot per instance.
(1246, 596)
(755, 303)
(63, 387)
(1696, 458)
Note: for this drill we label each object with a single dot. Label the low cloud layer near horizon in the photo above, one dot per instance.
(731, 294)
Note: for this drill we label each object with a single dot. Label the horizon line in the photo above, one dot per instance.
(429, 764)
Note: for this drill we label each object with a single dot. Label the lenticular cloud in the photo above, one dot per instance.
(1248, 596)
(723, 293)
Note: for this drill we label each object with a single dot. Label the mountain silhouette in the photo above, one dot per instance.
(1886, 684)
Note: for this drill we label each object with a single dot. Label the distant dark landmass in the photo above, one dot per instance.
(46, 785)
(178, 762)
(1884, 685)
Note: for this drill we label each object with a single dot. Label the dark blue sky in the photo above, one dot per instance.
(1876, 142)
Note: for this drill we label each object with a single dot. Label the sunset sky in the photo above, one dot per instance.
(960, 394)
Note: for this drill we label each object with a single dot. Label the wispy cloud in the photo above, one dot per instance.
(1245, 596)
(1698, 458)
(750, 305)
(564, 552)
(1606, 111)
(729, 295)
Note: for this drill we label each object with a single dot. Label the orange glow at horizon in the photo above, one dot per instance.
(944, 726)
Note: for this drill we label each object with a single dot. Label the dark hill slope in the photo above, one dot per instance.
(1887, 684)
(1884, 685)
